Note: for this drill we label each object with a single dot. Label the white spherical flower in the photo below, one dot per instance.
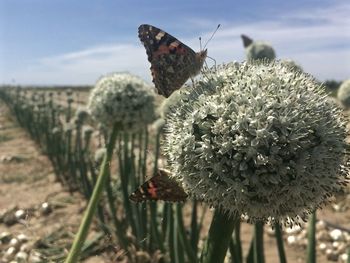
(259, 50)
(258, 140)
(344, 94)
(123, 99)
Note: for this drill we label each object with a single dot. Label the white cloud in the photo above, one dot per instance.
(317, 39)
(85, 66)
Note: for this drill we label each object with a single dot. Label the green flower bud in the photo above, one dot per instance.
(87, 130)
(69, 92)
(81, 115)
(70, 100)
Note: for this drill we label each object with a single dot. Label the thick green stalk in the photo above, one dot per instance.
(311, 244)
(119, 230)
(69, 111)
(219, 237)
(280, 246)
(235, 244)
(201, 221)
(186, 244)
(170, 233)
(74, 253)
(100, 211)
(250, 255)
(156, 155)
(194, 227)
(125, 173)
(141, 179)
(179, 255)
(139, 159)
(259, 243)
(165, 221)
(154, 226)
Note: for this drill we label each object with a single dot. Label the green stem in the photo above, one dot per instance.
(117, 225)
(219, 237)
(280, 246)
(186, 244)
(311, 244)
(235, 243)
(177, 245)
(259, 243)
(250, 255)
(154, 226)
(125, 174)
(194, 227)
(74, 253)
(170, 233)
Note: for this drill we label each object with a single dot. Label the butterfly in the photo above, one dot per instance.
(172, 62)
(159, 187)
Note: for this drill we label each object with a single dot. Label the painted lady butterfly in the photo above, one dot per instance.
(172, 62)
(159, 187)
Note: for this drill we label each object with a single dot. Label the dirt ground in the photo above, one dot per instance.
(27, 181)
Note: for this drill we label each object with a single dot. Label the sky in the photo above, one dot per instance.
(74, 42)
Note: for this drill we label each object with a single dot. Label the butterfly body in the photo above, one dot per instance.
(159, 187)
(172, 62)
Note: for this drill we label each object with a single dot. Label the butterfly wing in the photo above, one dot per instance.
(172, 62)
(159, 187)
(170, 72)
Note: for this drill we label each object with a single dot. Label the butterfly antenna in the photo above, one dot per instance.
(212, 35)
(200, 43)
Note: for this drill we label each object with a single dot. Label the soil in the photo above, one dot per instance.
(27, 180)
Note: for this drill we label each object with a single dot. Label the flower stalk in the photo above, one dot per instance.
(311, 243)
(79, 240)
(219, 237)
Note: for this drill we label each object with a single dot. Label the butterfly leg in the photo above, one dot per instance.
(193, 83)
(212, 60)
(205, 70)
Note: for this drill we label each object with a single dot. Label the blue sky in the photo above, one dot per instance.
(75, 42)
